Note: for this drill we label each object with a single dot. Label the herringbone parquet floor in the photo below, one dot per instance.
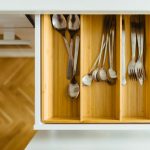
(16, 102)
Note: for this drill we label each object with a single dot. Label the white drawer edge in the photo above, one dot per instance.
(106, 127)
(37, 71)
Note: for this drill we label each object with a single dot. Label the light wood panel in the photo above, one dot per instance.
(55, 100)
(16, 102)
(100, 100)
(135, 98)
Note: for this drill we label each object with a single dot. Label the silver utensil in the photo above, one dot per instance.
(74, 89)
(98, 71)
(95, 71)
(88, 78)
(139, 66)
(60, 24)
(102, 73)
(131, 66)
(73, 27)
(123, 55)
(112, 75)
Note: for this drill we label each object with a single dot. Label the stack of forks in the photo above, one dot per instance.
(136, 69)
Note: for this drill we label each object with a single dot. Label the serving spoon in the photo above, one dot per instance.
(92, 75)
(60, 24)
(111, 74)
(95, 71)
(73, 89)
(88, 78)
(102, 73)
(73, 27)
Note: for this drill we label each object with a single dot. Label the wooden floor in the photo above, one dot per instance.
(16, 102)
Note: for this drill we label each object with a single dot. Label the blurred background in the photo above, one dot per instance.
(16, 81)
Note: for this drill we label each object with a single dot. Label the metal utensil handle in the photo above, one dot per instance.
(77, 42)
(104, 59)
(110, 54)
(94, 65)
(142, 48)
(69, 69)
(133, 42)
(139, 42)
(70, 59)
(142, 42)
(123, 58)
(101, 49)
(112, 47)
(66, 44)
(98, 59)
(70, 50)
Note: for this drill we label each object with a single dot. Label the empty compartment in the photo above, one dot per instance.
(100, 102)
(135, 101)
(57, 106)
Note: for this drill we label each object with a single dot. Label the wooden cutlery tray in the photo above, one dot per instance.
(100, 102)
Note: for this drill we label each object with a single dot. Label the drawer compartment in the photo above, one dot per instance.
(56, 104)
(135, 98)
(100, 101)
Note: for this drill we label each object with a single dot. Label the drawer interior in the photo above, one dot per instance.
(55, 101)
(135, 98)
(100, 102)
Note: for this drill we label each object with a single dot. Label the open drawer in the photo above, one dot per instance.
(100, 103)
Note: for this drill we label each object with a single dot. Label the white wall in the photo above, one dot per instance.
(90, 140)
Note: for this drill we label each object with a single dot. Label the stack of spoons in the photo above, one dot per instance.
(98, 71)
(70, 23)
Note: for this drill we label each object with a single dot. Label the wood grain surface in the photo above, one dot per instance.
(16, 102)
(135, 98)
(56, 104)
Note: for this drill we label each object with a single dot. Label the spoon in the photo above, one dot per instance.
(112, 75)
(102, 74)
(73, 27)
(60, 24)
(87, 79)
(94, 73)
(74, 89)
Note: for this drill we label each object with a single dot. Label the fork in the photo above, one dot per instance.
(139, 67)
(131, 66)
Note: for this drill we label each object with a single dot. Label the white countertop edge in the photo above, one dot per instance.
(76, 6)
(81, 12)
(92, 127)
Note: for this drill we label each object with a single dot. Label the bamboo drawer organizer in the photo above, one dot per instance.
(99, 103)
